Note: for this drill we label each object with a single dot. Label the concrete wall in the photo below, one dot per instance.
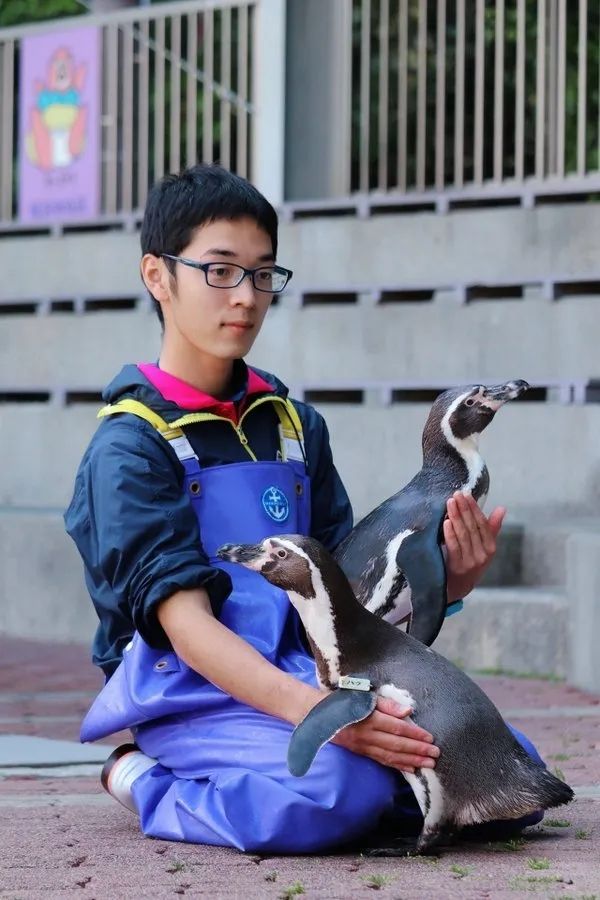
(39, 453)
(539, 454)
(529, 450)
(465, 247)
(42, 592)
(583, 587)
(335, 344)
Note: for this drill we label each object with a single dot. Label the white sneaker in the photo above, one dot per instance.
(124, 765)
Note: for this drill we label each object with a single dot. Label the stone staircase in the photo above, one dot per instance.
(526, 616)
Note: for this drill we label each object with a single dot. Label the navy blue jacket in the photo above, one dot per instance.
(135, 528)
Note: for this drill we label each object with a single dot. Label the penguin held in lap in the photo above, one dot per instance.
(393, 558)
(482, 774)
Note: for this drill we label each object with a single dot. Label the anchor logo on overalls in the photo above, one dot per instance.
(275, 504)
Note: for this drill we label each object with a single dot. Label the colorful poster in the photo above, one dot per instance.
(59, 126)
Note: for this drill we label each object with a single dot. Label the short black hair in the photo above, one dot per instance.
(180, 203)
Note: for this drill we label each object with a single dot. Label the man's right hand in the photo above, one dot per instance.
(386, 738)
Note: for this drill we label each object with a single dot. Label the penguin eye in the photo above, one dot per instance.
(281, 553)
(470, 401)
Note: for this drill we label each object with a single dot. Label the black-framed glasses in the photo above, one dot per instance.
(270, 279)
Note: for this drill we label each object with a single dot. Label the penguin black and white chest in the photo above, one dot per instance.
(393, 557)
(483, 774)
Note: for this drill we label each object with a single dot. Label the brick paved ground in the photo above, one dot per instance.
(63, 837)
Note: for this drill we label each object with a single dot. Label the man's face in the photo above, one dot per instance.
(219, 322)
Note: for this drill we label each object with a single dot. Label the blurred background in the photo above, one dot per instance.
(436, 169)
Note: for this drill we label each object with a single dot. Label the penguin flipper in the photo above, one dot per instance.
(420, 558)
(342, 707)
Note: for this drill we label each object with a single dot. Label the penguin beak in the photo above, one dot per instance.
(497, 395)
(240, 553)
(252, 556)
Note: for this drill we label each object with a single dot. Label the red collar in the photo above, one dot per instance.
(187, 397)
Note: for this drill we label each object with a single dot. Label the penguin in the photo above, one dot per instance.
(482, 775)
(394, 558)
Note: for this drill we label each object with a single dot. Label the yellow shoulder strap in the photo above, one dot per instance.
(143, 412)
(290, 424)
(290, 430)
(290, 420)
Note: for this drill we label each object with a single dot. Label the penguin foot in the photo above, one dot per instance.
(402, 846)
(429, 838)
(487, 832)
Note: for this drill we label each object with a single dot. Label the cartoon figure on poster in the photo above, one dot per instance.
(56, 136)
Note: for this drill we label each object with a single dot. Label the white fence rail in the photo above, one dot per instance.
(474, 97)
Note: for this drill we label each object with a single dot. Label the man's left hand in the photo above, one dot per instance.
(470, 539)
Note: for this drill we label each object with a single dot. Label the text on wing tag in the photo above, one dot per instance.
(354, 684)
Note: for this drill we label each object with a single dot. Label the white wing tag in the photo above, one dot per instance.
(354, 684)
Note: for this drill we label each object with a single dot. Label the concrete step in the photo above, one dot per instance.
(532, 552)
(543, 553)
(521, 630)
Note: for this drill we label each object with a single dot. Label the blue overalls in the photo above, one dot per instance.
(221, 775)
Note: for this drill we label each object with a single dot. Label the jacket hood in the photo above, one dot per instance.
(249, 382)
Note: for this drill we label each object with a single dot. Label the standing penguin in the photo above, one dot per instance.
(393, 558)
(482, 775)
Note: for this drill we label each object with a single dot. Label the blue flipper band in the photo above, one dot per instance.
(452, 608)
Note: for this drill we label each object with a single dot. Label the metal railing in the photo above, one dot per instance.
(474, 97)
(439, 100)
(177, 87)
